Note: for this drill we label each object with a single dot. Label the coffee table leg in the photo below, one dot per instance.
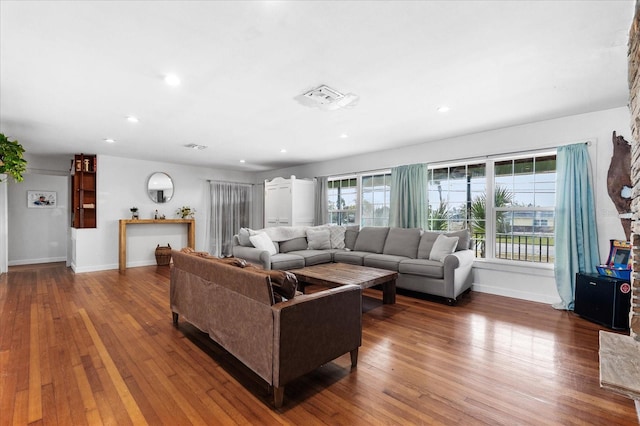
(389, 292)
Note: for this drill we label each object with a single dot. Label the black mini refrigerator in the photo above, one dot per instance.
(603, 300)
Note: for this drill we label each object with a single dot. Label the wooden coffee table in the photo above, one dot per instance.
(337, 274)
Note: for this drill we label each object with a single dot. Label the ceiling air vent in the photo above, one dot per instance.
(195, 146)
(324, 97)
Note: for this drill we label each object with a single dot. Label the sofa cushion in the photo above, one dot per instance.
(402, 242)
(262, 241)
(294, 244)
(424, 267)
(350, 236)
(442, 247)
(384, 261)
(426, 242)
(243, 237)
(313, 257)
(319, 238)
(352, 257)
(464, 238)
(286, 261)
(371, 239)
(337, 236)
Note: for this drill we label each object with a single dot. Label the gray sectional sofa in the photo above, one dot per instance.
(429, 262)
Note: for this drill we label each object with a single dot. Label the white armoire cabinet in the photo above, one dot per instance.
(288, 202)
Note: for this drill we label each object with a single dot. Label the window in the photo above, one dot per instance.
(452, 192)
(518, 224)
(361, 199)
(375, 200)
(342, 196)
(525, 208)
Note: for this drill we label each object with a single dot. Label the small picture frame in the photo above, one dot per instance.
(42, 199)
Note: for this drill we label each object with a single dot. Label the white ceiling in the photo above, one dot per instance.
(72, 71)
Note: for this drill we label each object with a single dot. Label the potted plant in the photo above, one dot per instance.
(185, 212)
(11, 161)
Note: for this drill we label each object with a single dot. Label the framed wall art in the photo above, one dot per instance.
(41, 199)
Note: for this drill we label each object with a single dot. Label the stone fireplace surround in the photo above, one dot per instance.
(634, 107)
(620, 354)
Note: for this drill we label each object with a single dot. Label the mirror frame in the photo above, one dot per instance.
(153, 194)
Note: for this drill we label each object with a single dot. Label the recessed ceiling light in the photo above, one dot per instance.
(344, 135)
(132, 119)
(443, 108)
(242, 161)
(109, 140)
(283, 150)
(172, 79)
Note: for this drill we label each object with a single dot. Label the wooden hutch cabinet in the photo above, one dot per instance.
(83, 190)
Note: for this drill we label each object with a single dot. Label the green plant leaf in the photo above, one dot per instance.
(11, 161)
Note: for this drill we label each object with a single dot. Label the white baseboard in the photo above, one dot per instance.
(96, 268)
(501, 291)
(35, 261)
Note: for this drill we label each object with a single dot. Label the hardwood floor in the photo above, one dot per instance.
(100, 348)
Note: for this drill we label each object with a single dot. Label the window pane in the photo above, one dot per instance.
(525, 236)
(451, 195)
(375, 200)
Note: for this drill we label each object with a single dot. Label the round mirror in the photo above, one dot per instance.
(160, 187)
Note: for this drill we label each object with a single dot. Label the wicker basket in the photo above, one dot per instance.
(163, 255)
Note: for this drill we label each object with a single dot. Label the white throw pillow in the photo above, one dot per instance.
(442, 247)
(263, 242)
(318, 239)
(337, 236)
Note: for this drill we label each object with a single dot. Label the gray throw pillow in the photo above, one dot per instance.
(350, 236)
(443, 247)
(371, 239)
(318, 238)
(293, 244)
(426, 243)
(464, 238)
(243, 237)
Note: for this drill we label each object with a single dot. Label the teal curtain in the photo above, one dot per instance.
(576, 238)
(408, 201)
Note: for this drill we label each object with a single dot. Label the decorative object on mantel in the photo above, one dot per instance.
(163, 255)
(619, 181)
(11, 161)
(185, 212)
(134, 213)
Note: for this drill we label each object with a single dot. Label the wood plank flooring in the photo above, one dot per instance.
(100, 348)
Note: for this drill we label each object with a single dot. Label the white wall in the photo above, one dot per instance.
(4, 239)
(121, 185)
(37, 235)
(525, 282)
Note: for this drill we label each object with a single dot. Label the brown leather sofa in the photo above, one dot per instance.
(279, 341)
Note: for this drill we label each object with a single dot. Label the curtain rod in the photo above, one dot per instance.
(228, 181)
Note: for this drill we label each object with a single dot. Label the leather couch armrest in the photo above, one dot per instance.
(313, 329)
